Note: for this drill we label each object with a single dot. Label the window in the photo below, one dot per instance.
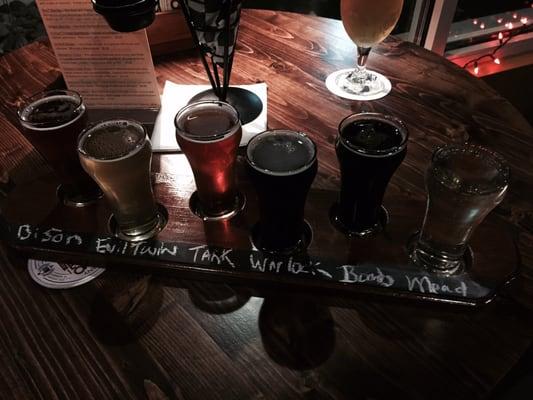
(484, 37)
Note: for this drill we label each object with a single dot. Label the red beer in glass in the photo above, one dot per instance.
(209, 133)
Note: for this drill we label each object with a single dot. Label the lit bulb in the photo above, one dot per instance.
(523, 20)
(497, 61)
(509, 25)
(476, 69)
(482, 25)
(474, 21)
(499, 20)
(500, 36)
(515, 15)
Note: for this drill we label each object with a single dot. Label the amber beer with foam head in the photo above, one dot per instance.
(117, 155)
(209, 133)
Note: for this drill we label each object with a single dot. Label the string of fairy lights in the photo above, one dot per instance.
(518, 25)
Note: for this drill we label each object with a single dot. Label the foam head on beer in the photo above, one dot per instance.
(281, 152)
(112, 140)
(373, 135)
(207, 121)
(52, 111)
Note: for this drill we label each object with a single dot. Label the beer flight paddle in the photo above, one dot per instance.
(249, 246)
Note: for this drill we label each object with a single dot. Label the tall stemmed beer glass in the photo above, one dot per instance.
(367, 23)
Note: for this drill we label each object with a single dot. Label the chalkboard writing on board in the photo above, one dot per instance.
(457, 288)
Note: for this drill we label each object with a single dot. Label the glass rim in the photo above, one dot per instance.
(94, 125)
(208, 138)
(80, 105)
(306, 166)
(504, 171)
(374, 116)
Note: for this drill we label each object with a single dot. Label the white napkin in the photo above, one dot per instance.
(177, 96)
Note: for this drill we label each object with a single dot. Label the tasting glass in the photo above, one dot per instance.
(464, 183)
(282, 165)
(369, 147)
(51, 121)
(209, 134)
(117, 154)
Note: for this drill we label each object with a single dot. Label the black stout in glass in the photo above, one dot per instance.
(370, 147)
(282, 167)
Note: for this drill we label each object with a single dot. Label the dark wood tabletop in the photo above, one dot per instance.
(128, 335)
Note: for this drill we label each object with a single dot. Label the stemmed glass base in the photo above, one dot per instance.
(347, 84)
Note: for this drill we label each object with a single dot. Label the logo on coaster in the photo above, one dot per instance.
(53, 275)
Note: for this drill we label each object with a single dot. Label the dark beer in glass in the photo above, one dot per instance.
(282, 167)
(117, 154)
(209, 133)
(51, 122)
(370, 147)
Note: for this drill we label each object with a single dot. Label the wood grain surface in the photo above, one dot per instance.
(134, 336)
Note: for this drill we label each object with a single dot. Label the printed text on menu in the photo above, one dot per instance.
(109, 69)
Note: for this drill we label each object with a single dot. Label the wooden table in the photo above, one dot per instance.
(133, 336)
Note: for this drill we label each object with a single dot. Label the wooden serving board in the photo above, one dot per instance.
(222, 250)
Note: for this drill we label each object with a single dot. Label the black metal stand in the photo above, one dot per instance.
(247, 103)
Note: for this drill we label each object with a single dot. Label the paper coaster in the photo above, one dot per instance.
(331, 84)
(54, 275)
(175, 97)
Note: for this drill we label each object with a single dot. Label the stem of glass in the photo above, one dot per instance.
(358, 75)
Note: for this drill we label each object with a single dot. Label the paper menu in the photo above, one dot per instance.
(109, 69)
